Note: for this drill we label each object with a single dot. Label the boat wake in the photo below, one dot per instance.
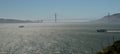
(114, 31)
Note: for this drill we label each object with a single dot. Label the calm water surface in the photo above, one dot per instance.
(35, 38)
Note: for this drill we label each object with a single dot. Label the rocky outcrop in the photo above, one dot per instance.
(112, 49)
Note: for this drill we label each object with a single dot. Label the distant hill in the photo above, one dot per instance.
(2, 20)
(114, 18)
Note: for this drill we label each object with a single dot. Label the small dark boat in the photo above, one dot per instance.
(21, 26)
(102, 30)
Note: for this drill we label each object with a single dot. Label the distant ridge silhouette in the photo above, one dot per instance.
(114, 18)
(2, 20)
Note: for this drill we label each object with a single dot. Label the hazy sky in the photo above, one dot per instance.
(65, 9)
